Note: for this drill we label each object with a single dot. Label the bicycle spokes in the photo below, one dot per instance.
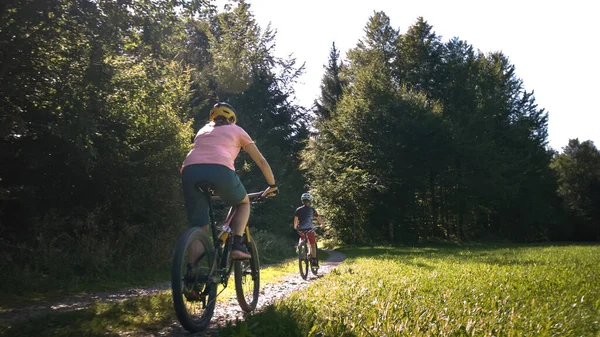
(247, 279)
(192, 289)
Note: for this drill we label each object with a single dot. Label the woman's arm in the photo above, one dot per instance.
(261, 162)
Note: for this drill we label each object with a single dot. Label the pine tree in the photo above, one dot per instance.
(432, 140)
(243, 71)
(331, 85)
(419, 60)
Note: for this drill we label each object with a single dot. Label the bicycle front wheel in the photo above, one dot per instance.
(303, 259)
(247, 279)
(194, 294)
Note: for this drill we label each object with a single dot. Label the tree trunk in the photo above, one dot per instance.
(461, 200)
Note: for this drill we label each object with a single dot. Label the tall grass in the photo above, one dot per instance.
(274, 248)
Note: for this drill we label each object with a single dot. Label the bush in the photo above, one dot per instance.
(274, 248)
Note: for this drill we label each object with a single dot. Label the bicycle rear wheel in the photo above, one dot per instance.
(247, 279)
(194, 294)
(303, 259)
(315, 269)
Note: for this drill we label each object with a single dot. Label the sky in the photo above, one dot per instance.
(553, 45)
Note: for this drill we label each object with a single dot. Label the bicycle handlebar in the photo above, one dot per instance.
(254, 196)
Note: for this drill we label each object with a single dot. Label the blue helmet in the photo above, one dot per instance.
(306, 196)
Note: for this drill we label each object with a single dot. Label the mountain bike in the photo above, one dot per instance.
(304, 260)
(194, 284)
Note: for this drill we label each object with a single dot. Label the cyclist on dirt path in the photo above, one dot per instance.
(211, 159)
(303, 218)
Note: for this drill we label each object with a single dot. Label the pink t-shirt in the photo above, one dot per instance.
(217, 145)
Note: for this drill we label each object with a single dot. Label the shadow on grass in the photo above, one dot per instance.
(147, 314)
(289, 321)
(20, 290)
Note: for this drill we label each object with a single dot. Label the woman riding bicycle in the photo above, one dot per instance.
(303, 224)
(211, 161)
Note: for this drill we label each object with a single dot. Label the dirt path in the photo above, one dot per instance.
(223, 313)
(269, 293)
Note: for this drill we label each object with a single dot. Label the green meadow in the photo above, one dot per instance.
(507, 290)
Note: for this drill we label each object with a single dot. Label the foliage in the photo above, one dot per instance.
(578, 170)
(99, 102)
(429, 141)
(414, 138)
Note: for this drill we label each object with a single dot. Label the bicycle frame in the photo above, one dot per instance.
(304, 237)
(220, 240)
(304, 247)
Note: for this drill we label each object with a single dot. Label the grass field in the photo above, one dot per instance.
(476, 290)
(508, 290)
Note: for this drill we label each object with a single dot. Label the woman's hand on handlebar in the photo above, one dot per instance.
(271, 191)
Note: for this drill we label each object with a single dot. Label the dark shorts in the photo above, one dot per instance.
(225, 182)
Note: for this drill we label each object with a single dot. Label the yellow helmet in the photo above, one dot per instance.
(222, 109)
